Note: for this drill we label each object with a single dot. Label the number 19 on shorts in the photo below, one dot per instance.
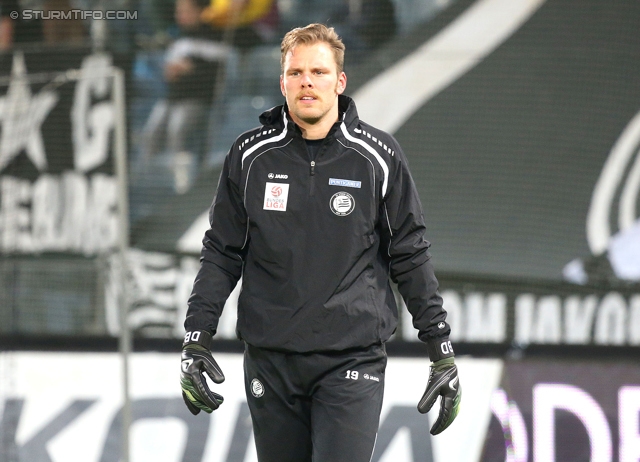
(353, 375)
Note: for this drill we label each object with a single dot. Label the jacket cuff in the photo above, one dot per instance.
(439, 348)
(197, 337)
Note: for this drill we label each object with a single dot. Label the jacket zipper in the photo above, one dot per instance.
(312, 179)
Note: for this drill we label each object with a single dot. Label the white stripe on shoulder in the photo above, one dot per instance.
(274, 139)
(373, 152)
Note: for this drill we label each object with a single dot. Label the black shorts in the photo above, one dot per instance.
(320, 407)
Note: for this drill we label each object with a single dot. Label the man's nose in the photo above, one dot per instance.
(306, 80)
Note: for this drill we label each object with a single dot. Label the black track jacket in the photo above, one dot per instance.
(316, 242)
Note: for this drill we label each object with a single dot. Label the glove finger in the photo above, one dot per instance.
(218, 398)
(213, 370)
(193, 409)
(449, 408)
(428, 399)
(206, 361)
(210, 399)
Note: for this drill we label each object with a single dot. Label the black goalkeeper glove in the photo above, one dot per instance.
(443, 381)
(197, 359)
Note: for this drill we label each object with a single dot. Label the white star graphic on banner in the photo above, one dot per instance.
(21, 117)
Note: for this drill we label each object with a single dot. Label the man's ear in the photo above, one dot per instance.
(342, 83)
(282, 85)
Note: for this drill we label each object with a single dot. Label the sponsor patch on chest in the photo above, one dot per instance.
(345, 183)
(276, 196)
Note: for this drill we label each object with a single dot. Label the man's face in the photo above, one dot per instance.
(311, 84)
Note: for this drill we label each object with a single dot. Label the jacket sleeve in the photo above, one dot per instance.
(222, 253)
(410, 266)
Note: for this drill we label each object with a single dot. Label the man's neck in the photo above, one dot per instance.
(315, 133)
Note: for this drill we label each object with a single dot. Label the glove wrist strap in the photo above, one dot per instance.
(444, 362)
(439, 348)
(197, 337)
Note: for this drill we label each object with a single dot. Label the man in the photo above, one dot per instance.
(315, 210)
(191, 68)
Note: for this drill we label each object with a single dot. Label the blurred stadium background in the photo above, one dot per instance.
(521, 123)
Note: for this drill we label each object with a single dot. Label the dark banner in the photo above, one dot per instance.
(528, 161)
(519, 313)
(57, 182)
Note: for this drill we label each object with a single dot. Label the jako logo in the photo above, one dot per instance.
(280, 176)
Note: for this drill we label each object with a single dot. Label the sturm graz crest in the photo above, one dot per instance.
(257, 389)
(342, 203)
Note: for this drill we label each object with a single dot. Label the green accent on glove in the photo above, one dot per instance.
(443, 363)
(192, 395)
(196, 347)
(456, 408)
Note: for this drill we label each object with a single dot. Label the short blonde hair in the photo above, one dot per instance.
(309, 35)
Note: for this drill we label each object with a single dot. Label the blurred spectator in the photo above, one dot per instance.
(15, 30)
(160, 14)
(365, 25)
(62, 31)
(250, 22)
(192, 63)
